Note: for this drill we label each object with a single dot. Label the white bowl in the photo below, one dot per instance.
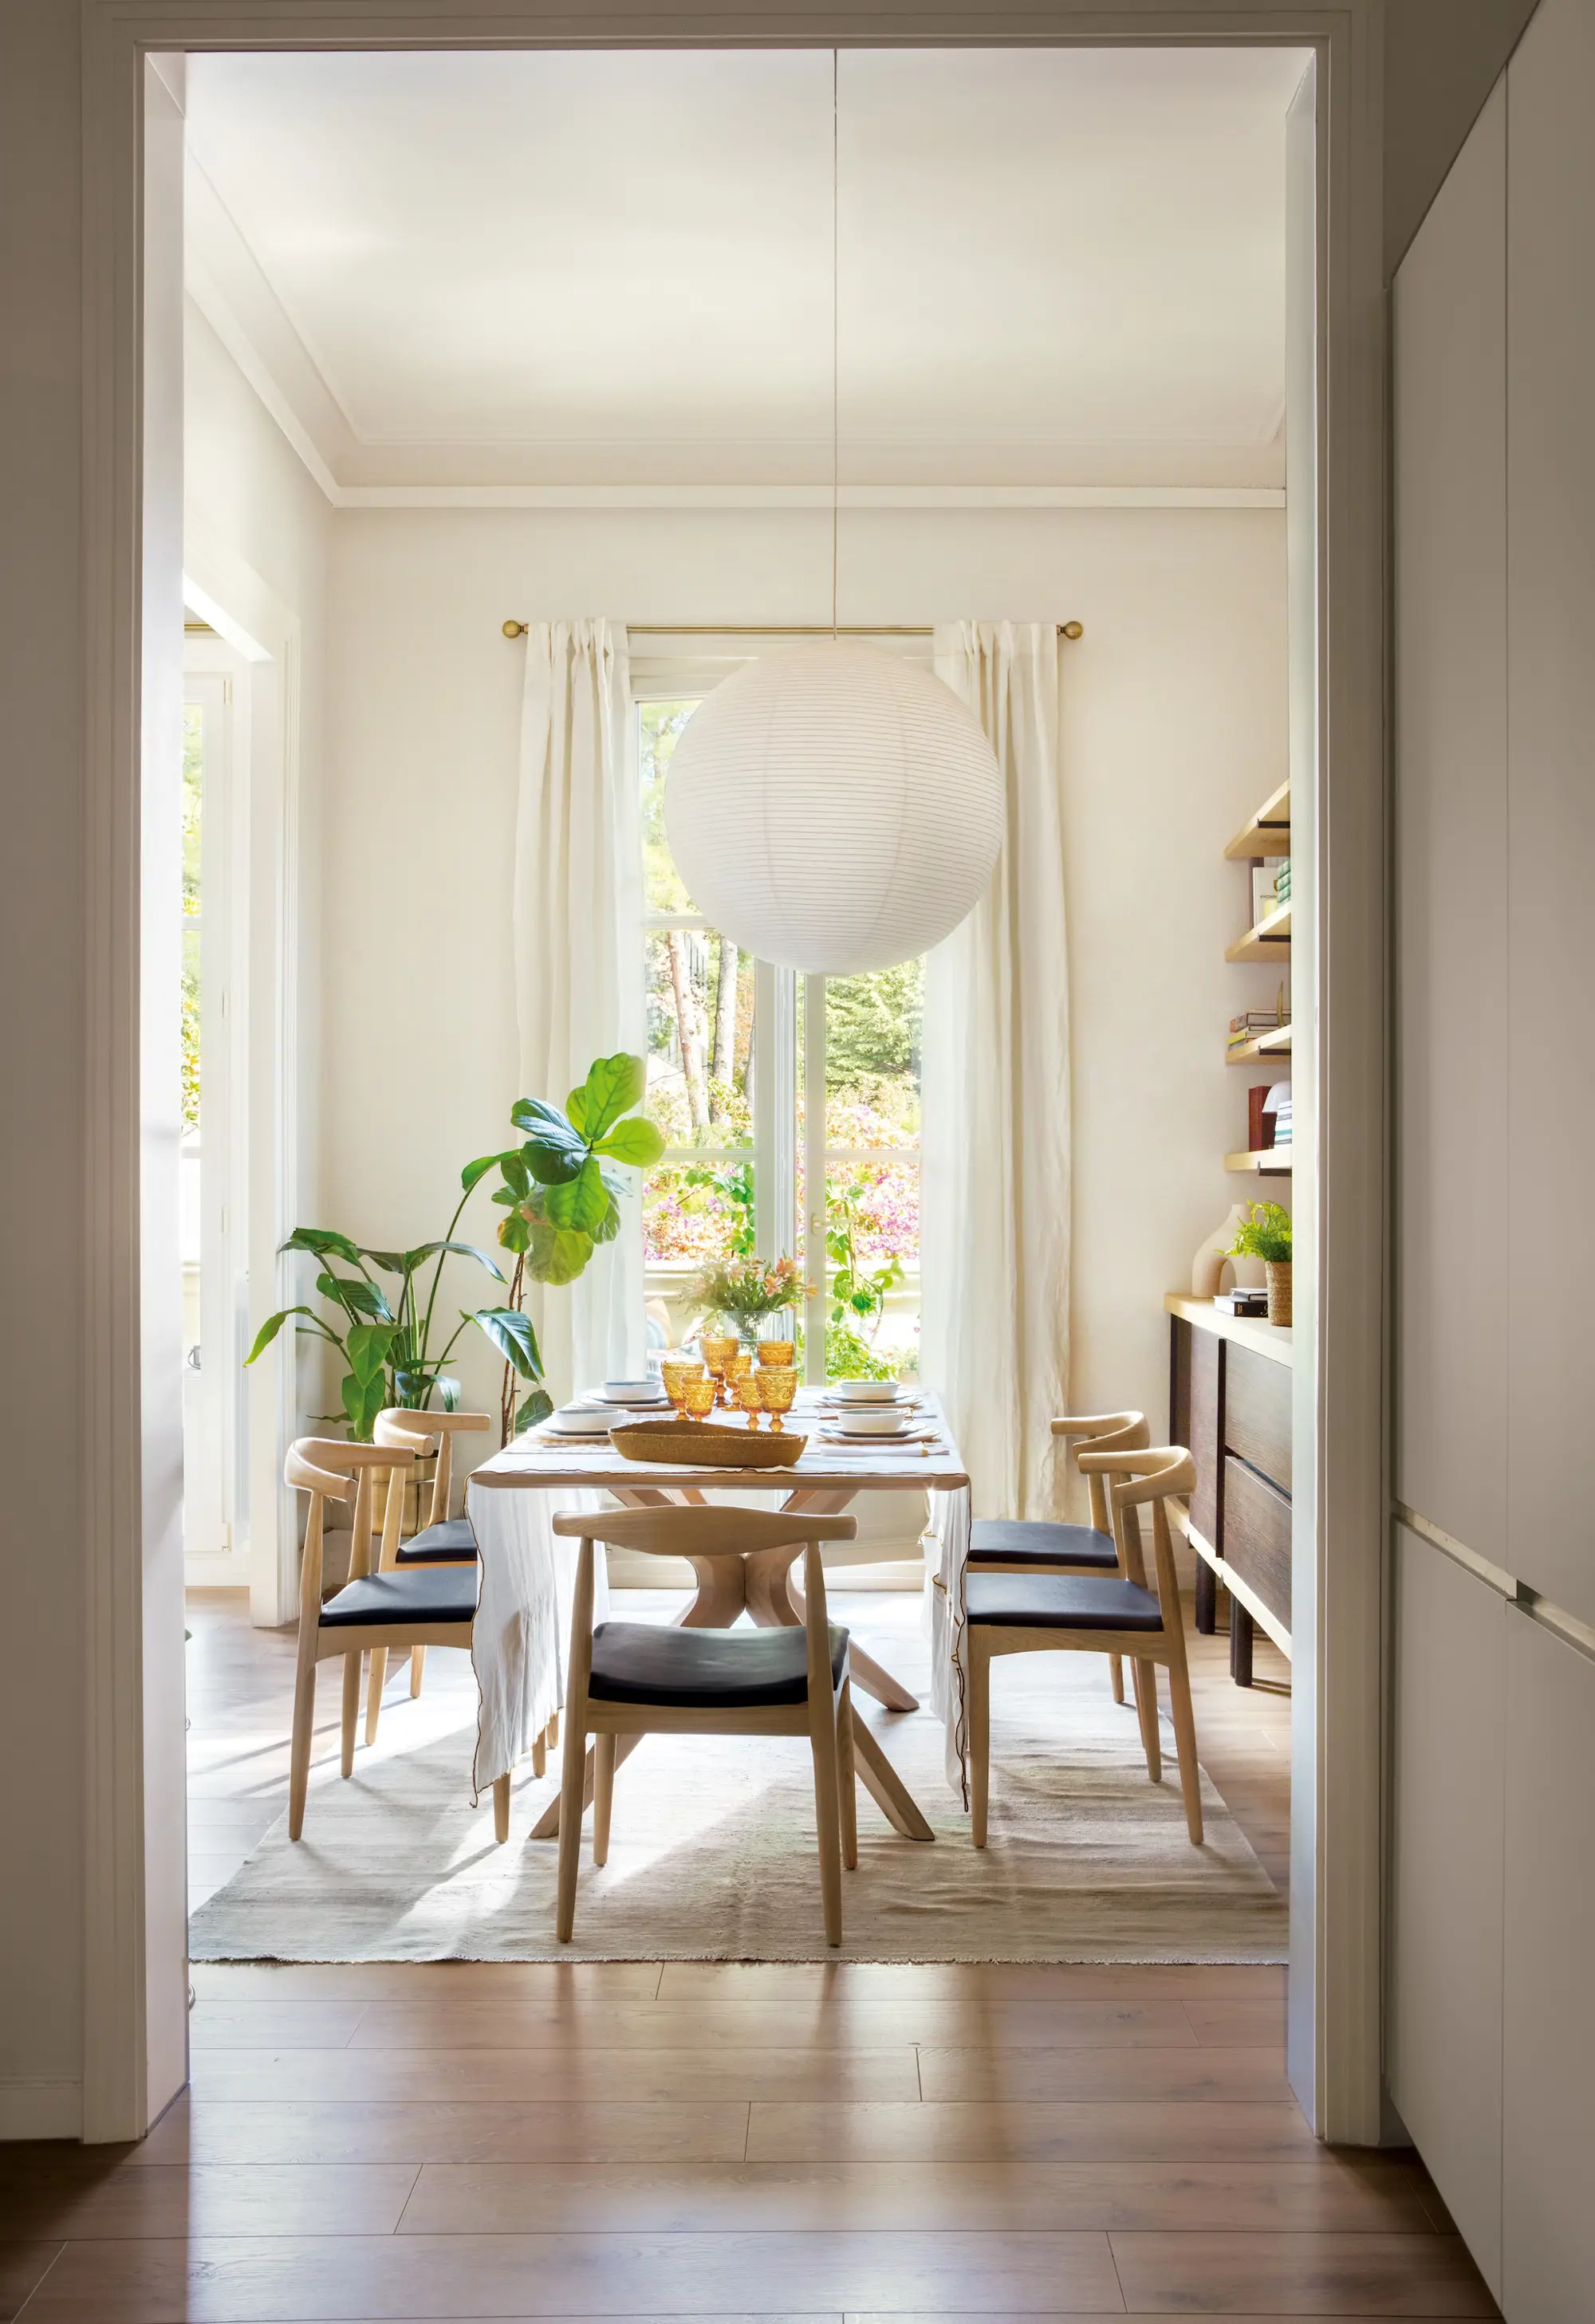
(861, 1422)
(580, 1420)
(865, 1391)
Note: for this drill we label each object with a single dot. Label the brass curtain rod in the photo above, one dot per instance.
(779, 630)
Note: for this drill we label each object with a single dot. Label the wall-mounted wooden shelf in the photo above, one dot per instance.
(1257, 1052)
(1268, 832)
(1271, 1162)
(1269, 940)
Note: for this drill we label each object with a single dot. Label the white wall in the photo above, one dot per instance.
(1174, 729)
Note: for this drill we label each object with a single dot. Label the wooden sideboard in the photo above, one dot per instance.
(1229, 1401)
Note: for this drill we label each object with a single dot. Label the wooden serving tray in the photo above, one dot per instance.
(700, 1444)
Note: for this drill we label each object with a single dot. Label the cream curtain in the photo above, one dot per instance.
(578, 973)
(995, 1141)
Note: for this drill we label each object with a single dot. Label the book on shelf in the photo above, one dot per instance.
(1259, 1130)
(1242, 1301)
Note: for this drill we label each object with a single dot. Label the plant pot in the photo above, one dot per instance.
(1278, 1272)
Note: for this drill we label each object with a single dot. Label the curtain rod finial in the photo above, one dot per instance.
(515, 629)
(1074, 628)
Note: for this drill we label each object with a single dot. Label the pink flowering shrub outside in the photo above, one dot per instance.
(683, 1222)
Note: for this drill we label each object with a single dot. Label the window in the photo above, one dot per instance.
(733, 1045)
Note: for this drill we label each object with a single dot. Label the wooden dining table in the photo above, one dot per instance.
(823, 1481)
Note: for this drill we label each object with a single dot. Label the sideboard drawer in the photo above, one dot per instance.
(1257, 1414)
(1257, 1535)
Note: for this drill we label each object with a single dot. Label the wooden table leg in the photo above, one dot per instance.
(884, 1786)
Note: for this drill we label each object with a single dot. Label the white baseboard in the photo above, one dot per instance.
(220, 1568)
(32, 2107)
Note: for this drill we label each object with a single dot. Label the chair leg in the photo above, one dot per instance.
(1144, 1676)
(501, 1808)
(539, 1753)
(554, 1732)
(1116, 1675)
(305, 1728)
(846, 1778)
(827, 1813)
(573, 1782)
(417, 1666)
(351, 1709)
(978, 1713)
(603, 1794)
(1185, 1741)
(374, 1686)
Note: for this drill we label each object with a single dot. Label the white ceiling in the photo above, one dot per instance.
(1057, 266)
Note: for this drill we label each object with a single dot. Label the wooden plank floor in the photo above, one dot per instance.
(798, 2142)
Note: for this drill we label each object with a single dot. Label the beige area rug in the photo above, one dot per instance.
(712, 1853)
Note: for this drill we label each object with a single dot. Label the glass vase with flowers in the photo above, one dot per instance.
(749, 1293)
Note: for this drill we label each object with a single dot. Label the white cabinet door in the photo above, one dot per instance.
(1548, 1280)
(1452, 1124)
(1548, 2225)
(1447, 1831)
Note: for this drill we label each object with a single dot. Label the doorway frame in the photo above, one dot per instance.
(1337, 1885)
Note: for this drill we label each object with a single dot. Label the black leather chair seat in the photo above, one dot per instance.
(441, 1593)
(1059, 1601)
(450, 1543)
(1031, 1541)
(705, 1670)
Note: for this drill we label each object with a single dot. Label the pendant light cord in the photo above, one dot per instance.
(835, 326)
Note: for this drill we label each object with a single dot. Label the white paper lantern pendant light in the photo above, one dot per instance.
(833, 808)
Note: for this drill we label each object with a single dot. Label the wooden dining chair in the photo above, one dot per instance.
(1096, 1613)
(444, 1540)
(428, 1605)
(1038, 1546)
(642, 1678)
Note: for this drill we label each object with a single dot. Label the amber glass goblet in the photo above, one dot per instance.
(777, 1386)
(698, 1397)
(777, 1352)
(744, 1387)
(717, 1352)
(737, 1367)
(675, 1373)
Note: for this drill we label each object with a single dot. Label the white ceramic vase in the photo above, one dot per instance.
(1212, 1256)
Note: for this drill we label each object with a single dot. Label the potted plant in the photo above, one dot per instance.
(746, 1291)
(1265, 1233)
(559, 1199)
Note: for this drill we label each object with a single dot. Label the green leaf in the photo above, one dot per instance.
(553, 1151)
(612, 1087)
(609, 1226)
(391, 1262)
(366, 1347)
(516, 1233)
(272, 1326)
(354, 1295)
(537, 1407)
(512, 1334)
(582, 1202)
(637, 1142)
(557, 1254)
(475, 1172)
(363, 1400)
(466, 1251)
(322, 1243)
(517, 1177)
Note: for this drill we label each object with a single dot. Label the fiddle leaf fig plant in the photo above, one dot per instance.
(560, 1204)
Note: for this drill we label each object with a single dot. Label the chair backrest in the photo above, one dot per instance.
(702, 1531)
(1156, 1476)
(1103, 1432)
(328, 1468)
(421, 1433)
(699, 1532)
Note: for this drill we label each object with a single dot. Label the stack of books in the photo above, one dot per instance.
(1277, 1102)
(1250, 1024)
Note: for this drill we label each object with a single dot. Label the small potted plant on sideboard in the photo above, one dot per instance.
(1265, 1233)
